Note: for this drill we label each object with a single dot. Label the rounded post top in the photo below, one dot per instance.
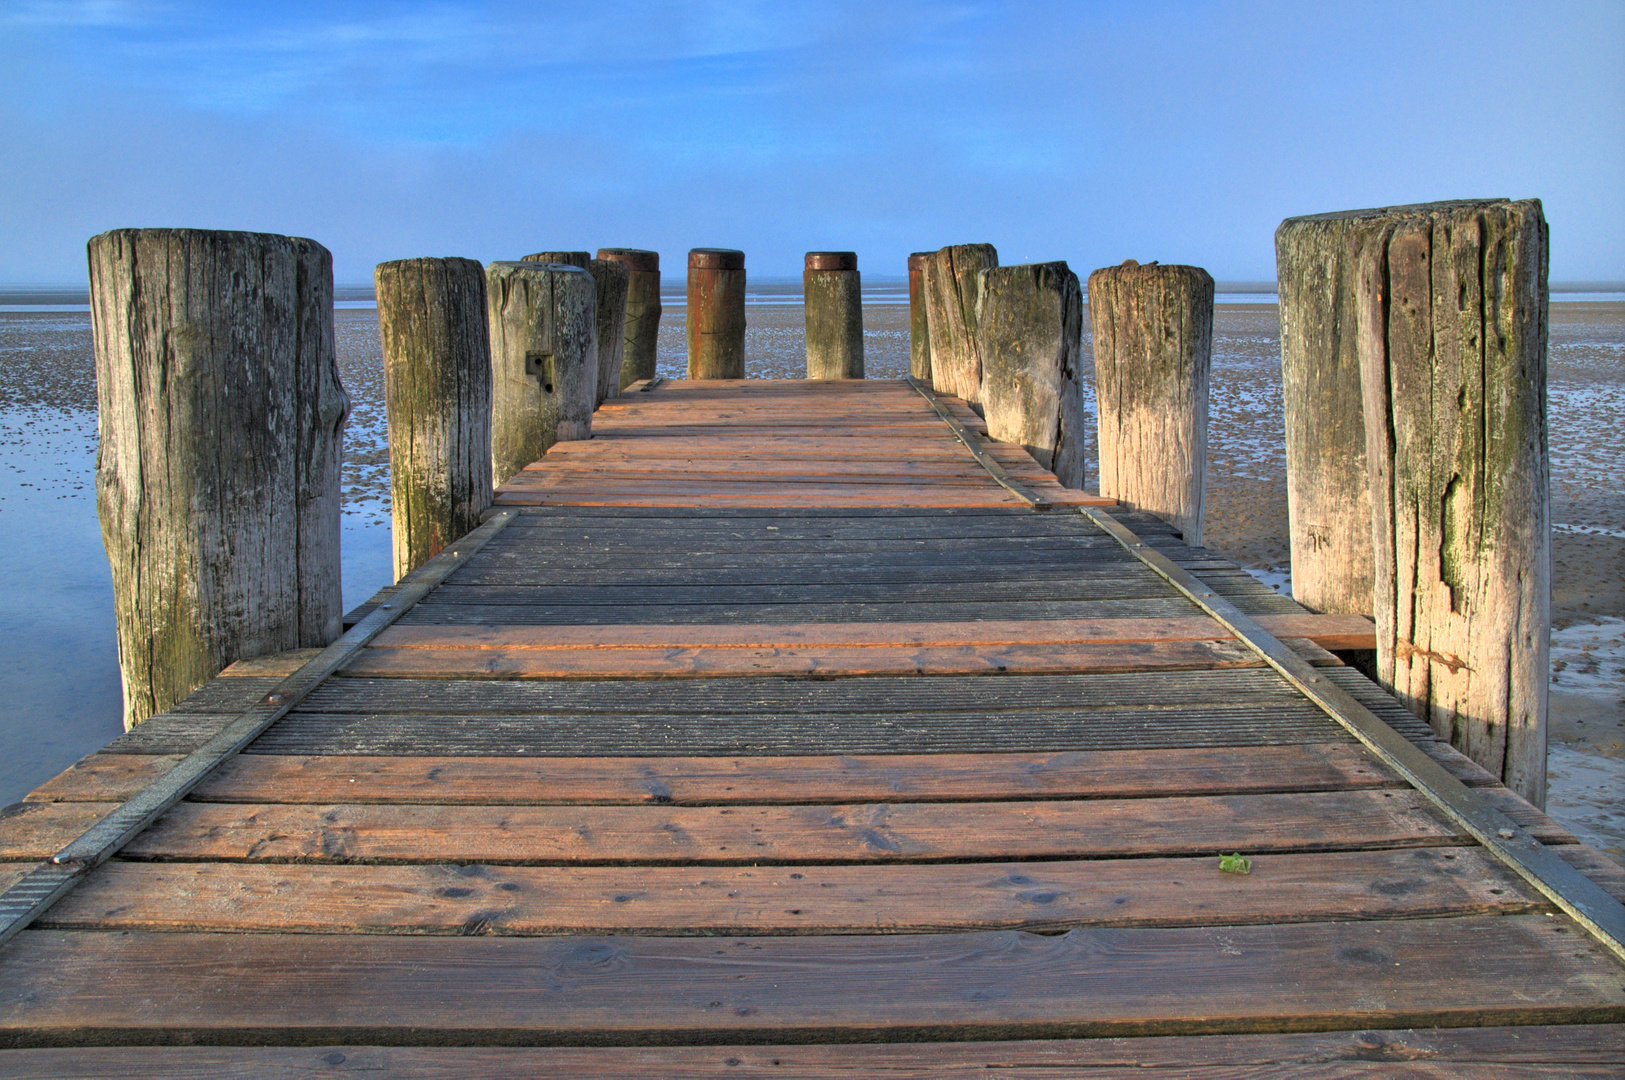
(916, 260)
(568, 258)
(505, 266)
(832, 260)
(716, 259)
(634, 258)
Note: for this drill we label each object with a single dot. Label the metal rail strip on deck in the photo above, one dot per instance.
(32, 895)
(1577, 895)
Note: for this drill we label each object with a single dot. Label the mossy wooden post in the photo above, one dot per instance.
(833, 303)
(919, 332)
(642, 312)
(437, 395)
(1029, 330)
(611, 279)
(1153, 338)
(221, 420)
(950, 308)
(580, 259)
(1452, 346)
(544, 360)
(716, 313)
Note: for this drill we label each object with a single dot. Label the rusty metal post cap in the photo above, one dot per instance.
(832, 260)
(634, 258)
(716, 259)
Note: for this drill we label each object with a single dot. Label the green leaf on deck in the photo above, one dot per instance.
(1235, 864)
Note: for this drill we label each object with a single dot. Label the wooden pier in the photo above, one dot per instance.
(774, 731)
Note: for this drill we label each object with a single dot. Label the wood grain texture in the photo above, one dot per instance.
(767, 780)
(104, 778)
(950, 286)
(919, 327)
(833, 302)
(1493, 1053)
(1042, 897)
(1153, 343)
(1008, 984)
(220, 418)
(544, 360)
(855, 833)
(613, 281)
(437, 387)
(716, 314)
(1029, 327)
(37, 830)
(1452, 345)
(642, 312)
(577, 259)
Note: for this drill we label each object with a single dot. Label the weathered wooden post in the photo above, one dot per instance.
(950, 306)
(611, 278)
(221, 421)
(1328, 492)
(1029, 330)
(437, 396)
(833, 304)
(1153, 337)
(919, 331)
(581, 259)
(544, 360)
(642, 312)
(716, 313)
(1452, 346)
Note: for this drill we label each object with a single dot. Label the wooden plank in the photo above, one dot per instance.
(863, 833)
(1044, 897)
(104, 778)
(1596, 866)
(1088, 982)
(1493, 1053)
(792, 635)
(280, 664)
(38, 830)
(694, 781)
(807, 661)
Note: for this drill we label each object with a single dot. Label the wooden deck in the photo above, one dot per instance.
(766, 733)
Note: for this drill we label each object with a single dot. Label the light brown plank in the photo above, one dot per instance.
(873, 832)
(644, 663)
(1087, 982)
(1513, 1053)
(1035, 896)
(814, 778)
(38, 830)
(104, 778)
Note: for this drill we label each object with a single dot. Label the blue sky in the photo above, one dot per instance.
(1090, 132)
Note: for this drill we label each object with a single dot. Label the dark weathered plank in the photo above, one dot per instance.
(104, 778)
(97, 987)
(871, 832)
(814, 778)
(1497, 1053)
(1035, 896)
(584, 615)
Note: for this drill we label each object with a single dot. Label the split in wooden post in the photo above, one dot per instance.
(642, 312)
(833, 302)
(1029, 330)
(1452, 347)
(919, 332)
(716, 313)
(437, 395)
(544, 360)
(1153, 339)
(950, 305)
(221, 419)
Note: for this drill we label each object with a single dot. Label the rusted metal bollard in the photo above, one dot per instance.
(716, 313)
(642, 311)
(919, 332)
(834, 310)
